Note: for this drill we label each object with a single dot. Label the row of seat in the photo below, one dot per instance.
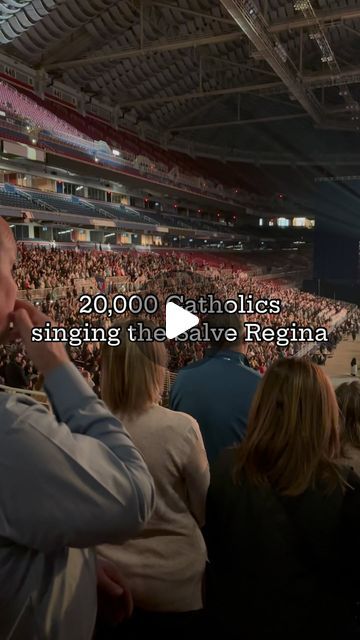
(79, 206)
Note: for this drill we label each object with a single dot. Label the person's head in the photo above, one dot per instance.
(132, 374)
(218, 321)
(292, 440)
(8, 288)
(348, 397)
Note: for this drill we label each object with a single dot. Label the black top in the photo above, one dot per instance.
(15, 376)
(281, 564)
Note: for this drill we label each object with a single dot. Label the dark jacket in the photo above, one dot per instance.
(15, 376)
(281, 565)
(217, 391)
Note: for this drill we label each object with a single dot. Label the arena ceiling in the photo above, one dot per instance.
(274, 83)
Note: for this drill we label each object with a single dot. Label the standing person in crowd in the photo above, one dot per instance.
(69, 480)
(15, 373)
(165, 563)
(283, 516)
(348, 397)
(217, 390)
(354, 368)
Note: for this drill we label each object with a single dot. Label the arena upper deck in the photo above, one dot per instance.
(261, 82)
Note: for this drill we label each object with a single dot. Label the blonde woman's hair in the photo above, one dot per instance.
(132, 374)
(292, 440)
(348, 397)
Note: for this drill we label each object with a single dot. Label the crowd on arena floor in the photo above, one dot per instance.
(161, 274)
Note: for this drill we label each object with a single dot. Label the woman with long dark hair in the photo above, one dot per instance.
(348, 397)
(283, 516)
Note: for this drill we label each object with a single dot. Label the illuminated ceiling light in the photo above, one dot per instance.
(301, 5)
(61, 233)
(250, 7)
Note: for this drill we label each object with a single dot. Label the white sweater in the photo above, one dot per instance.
(164, 564)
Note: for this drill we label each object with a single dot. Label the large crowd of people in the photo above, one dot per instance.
(162, 274)
(235, 511)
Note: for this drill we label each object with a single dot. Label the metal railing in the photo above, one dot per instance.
(42, 398)
(335, 322)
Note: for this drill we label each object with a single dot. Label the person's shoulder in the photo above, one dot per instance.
(192, 367)
(181, 424)
(251, 373)
(176, 418)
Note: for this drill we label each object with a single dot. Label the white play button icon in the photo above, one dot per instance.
(178, 320)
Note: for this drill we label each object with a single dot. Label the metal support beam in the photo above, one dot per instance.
(201, 94)
(266, 9)
(330, 79)
(325, 17)
(355, 32)
(215, 125)
(191, 12)
(173, 45)
(226, 62)
(276, 100)
(313, 81)
(187, 117)
(256, 29)
(141, 24)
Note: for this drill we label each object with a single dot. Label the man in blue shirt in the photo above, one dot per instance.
(70, 480)
(218, 390)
